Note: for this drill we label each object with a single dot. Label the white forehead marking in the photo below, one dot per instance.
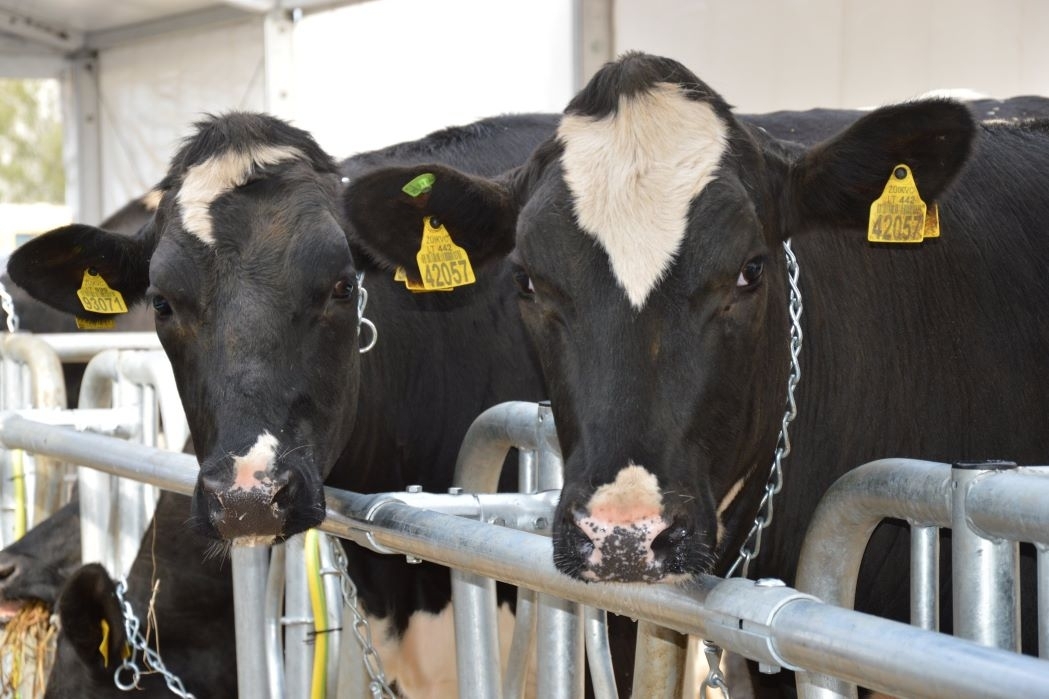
(633, 175)
(207, 181)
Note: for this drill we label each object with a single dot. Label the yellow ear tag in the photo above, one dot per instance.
(898, 215)
(442, 263)
(88, 324)
(96, 296)
(932, 222)
(103, 647)
(400, 275)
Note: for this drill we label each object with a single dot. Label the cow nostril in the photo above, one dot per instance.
(212, 485)
(671, 540)
(7, 570)
(286, 488)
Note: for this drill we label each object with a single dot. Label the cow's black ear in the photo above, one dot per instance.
(92, 619)
(386, 209)
(51, 266)
(835, 182)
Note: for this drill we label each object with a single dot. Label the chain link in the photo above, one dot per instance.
(752, 543)
(8, 305)
(715, 680)
(362, 303)
(150, 658)
(378, 686)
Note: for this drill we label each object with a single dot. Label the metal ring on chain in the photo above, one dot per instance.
(752, 542)
(365, 323)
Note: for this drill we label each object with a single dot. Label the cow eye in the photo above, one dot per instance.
(161, 306)
(751, 273)
(523, 282)
(343, 289)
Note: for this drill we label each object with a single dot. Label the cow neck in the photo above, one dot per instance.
(752, 543)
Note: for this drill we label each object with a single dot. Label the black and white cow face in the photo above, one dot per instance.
(250, 274)
(649, 236)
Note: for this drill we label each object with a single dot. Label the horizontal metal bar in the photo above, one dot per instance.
(81, 347)
(1011, 505)
(776, 625)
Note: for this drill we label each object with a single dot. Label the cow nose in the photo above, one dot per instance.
(647, 548)
(259, 511)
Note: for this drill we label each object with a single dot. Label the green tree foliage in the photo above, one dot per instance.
(30, 142)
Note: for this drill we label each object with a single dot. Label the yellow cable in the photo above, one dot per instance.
(318, 685)
(18, 476)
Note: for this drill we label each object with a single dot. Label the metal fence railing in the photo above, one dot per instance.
(773, 624)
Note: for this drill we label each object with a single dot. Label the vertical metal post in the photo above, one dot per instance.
(1043, 601)
(272, 618)
(517, 666)
(333, 606)
(81, 112)
(279, 54)
(476, 636)
(249, 606)
(560, 649)
(12, 391)
(925, 577)
(298, 620)
(985, 573)
(599, 653)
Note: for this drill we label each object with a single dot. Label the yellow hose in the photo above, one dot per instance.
(18, 476)
(318, 685)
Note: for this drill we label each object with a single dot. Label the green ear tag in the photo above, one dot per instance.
(419, 185)
(96, 296)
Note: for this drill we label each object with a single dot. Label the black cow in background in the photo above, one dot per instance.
(648, 235)
(381, 421)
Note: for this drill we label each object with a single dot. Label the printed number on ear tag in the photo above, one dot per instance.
(96, 296)
(899, 215)
(442, 263)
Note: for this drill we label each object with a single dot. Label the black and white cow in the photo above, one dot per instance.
(647, 235)
(248, 266)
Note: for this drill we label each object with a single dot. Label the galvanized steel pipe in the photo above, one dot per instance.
(250, 565)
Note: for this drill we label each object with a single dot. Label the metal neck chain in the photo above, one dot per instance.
(151, 658)
(378, 685)
(752, 543)
(362, 302)
(8, 305)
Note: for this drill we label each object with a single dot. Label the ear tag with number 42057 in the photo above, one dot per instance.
(400, 275)
(899, 215)
(442, 263)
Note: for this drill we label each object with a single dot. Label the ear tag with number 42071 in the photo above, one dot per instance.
(442, 263)
(899, 215)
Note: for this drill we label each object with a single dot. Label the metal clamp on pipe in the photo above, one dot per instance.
(745, 611)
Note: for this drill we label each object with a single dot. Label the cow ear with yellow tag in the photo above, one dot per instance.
(92, 619)
(389, 210)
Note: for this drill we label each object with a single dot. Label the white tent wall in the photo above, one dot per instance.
(796, 54)
(151, 92)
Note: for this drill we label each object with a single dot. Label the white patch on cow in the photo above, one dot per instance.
(422, 662)
(207, 181)
(730, 496)
(151, 199)
(258, 460)
(634, 174)
(633, 496)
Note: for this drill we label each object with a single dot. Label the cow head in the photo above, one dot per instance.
(249, 272)
(648, 238)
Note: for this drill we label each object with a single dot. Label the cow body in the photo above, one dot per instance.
(254, 286)
(648, 235)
